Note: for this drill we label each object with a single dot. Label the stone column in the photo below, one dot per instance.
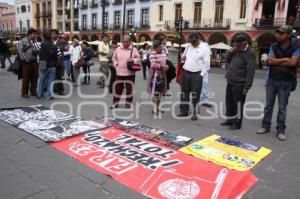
(72, 15)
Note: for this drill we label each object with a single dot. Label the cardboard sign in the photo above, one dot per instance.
(48, 125)
(229, 153)
(153, 170)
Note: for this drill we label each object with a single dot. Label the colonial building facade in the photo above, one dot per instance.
(137, 17)
(7, 18)
(23, 9)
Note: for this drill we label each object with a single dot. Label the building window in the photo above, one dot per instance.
(21, 28)
(130, 18)
(106, 20)
(23, 8)
(28, 8)
(145, 17)
(219, 12)
(18, 10)
(84, 22)
(243, 9)
(161, 13)
(28, 24)
(197, 14)
(38, 24)
(49, 24)
(178, 11)
(117, 19)
(94, 21)
(84, 3)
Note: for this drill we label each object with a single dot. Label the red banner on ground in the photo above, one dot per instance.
(153, 170)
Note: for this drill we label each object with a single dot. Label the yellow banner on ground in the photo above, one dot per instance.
(226, 152)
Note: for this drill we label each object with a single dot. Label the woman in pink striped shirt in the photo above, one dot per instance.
(124, 78)
(157, 85)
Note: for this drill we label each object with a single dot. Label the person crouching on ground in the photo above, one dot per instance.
(157, 85)
(124, 76)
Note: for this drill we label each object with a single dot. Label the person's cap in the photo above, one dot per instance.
(240, 39)
(285, 29)
(194, 36)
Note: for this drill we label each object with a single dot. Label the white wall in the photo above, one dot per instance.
(23, 16)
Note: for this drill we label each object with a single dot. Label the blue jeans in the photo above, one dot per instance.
(281, 89)
(204, 94)
(46, 77)
(67, 65)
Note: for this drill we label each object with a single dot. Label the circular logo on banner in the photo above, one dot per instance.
(179, 189)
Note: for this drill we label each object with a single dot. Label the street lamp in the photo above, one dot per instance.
(124, 15)
(178, 27)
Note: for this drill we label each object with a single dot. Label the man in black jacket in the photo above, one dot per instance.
(49, 54)
(58, 87)
(240, 75)
(283, 59)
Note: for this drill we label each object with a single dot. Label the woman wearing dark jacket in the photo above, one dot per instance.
(4, 53)
(87, 56)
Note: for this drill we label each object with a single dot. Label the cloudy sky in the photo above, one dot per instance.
(8, 1)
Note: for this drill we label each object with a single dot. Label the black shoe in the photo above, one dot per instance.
(182, 115)
(25, 96)
(2, 66)
(234, 127)
(84, 83)
(207, 105)
(194, 118)
(226, 123)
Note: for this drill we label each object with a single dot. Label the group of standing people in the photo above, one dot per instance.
(54, 57)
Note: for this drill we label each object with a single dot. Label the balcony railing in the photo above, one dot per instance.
(94, 5)
(130, 1)
(117, 2)
(84, 6)
(144, 26)
(203, 24)
(37, 15)
(47, 14)
(269, 22)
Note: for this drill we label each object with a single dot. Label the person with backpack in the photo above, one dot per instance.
(283, 61)
(240, 74)
(29, 64)
(49, 54)
(157, 85)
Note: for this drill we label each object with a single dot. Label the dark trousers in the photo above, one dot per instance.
(72, 72)
(87, 73)
(235, 103)
(121, 82)
(171, 73)
(112, 77)
(30, 73)
(191, 83)
(281, 89)
(146, 65)
(59, 87)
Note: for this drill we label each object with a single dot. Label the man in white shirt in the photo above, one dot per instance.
(197, 63)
